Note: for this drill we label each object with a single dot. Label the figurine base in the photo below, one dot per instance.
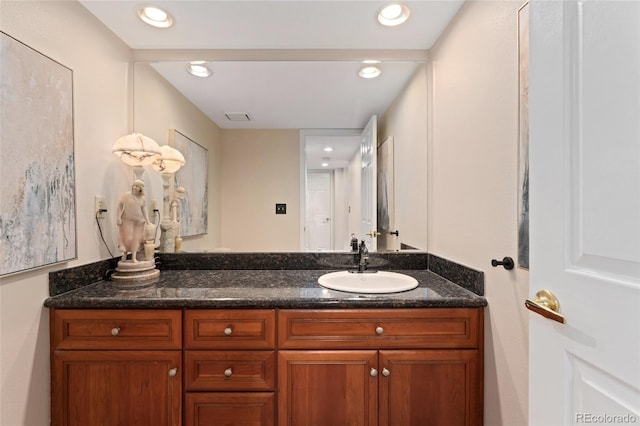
(135, 275)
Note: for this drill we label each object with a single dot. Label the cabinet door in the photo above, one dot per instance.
(327, 388)
(430, 388)
(229, 409)
(116, 388)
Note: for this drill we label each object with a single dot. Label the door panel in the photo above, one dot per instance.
(447, 379)
(368, 192)
(117, 388)
(319, 211)
(585, 205)
(327, 388)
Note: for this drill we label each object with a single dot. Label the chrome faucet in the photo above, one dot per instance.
(363, 257)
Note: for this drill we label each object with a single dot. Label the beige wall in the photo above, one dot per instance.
(259, 169)
(66, 32)
(472, 186)
(406, 121)
(471, 192)
(158, 107)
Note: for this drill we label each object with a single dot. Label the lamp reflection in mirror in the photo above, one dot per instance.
(169, 162)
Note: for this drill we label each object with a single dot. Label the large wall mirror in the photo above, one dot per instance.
(266, 124)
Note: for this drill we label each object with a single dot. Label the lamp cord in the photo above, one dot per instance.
(100, 229)
(155, 237)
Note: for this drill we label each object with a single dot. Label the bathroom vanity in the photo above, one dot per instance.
(266, 347)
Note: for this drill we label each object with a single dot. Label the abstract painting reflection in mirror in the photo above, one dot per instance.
(193, 176)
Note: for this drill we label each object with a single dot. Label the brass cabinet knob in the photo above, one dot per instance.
(115, 331)
(385, 372)
(379, 330)
(173, 372)
(373, 372)
(228, 372)
(228, 331)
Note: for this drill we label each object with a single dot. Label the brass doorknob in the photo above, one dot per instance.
(373, 234)
(545, 304)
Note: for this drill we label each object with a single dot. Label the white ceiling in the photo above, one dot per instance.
(288, 64)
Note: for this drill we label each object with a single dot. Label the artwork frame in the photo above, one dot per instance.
(523, 136)
(385, 184)
(37, 163)
(193, 176)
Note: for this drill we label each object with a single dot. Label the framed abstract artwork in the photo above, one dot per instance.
(193, 176)
(523, 136)
(37, 194)
(385, 194)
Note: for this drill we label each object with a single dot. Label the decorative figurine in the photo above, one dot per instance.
(132, 220)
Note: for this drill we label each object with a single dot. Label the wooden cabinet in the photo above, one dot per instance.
(387, 367)
(262, 367)
(430, 387)
(229, 361)
(103, 372)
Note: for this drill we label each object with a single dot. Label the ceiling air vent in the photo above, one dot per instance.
(237, 116)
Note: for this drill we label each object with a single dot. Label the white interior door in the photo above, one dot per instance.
(319, 210)
(585, 211)
(368, 194)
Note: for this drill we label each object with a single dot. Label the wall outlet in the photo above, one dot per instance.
(281, 208)
(99, 203)
(154, 205)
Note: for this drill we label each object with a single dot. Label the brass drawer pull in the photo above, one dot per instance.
(115, 331)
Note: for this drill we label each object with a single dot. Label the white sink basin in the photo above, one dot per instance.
(374, 282)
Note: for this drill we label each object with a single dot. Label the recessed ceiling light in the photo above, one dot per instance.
(155, 16)
(325, 164)
(199, 69)
(328, 149)
(393, 14)
(370, 72)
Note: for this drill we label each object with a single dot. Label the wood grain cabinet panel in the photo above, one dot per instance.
(327, 388)
(116, 329)
(229, 370)
(430, 388)
(115, 388)
(383, 328)
(230, 409)
(229, 329)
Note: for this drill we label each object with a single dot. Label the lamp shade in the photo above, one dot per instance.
(170, 160)
(136, 149)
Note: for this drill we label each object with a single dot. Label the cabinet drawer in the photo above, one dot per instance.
(116, 329)
(229, 329)
(229, 408)
(379, 328)
(229, 370)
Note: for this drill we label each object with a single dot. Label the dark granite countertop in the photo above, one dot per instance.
(265, 288)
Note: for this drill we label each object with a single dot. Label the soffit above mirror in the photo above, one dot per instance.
(212, 24)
